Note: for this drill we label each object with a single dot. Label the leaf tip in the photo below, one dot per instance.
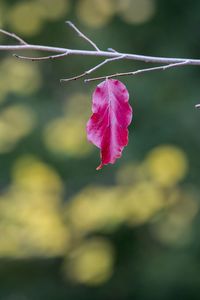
(99, 167)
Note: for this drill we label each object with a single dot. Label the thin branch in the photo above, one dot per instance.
(73, 78)
(83, 36)
(13, 35)
(111, 55)
(92, 70)
(128, 56)
(112, 50)
(186, 62)
(105, 62)
(42, 58)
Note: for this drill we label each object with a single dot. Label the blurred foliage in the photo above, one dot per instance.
(131, 230)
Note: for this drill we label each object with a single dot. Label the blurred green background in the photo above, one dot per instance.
(131, 230)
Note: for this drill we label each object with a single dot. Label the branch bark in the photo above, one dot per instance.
(163, 68)
(110, 55)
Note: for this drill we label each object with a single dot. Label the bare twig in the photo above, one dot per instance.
(186, 62)
(13, 35)
(41, 58)
(83, 36)
(105, 62)
(128, 56)
(93, 69)
(110, 55)
(73, 78)
(112, 50)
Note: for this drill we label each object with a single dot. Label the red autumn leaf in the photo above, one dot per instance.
(108, 126)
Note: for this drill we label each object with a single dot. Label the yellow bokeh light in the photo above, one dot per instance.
(24, 17)
(53, 9)
(95, 13)
(35, 225)
(32, 174)
(92, 262)
(78, 106)
(15, 123)
(31, 222)
(103, 213)
(174, 228)
(19, 76)
(167, 164)
(67, 137)
(142, 202)
(136, 11)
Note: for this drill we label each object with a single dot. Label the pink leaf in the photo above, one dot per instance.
(112, 114)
